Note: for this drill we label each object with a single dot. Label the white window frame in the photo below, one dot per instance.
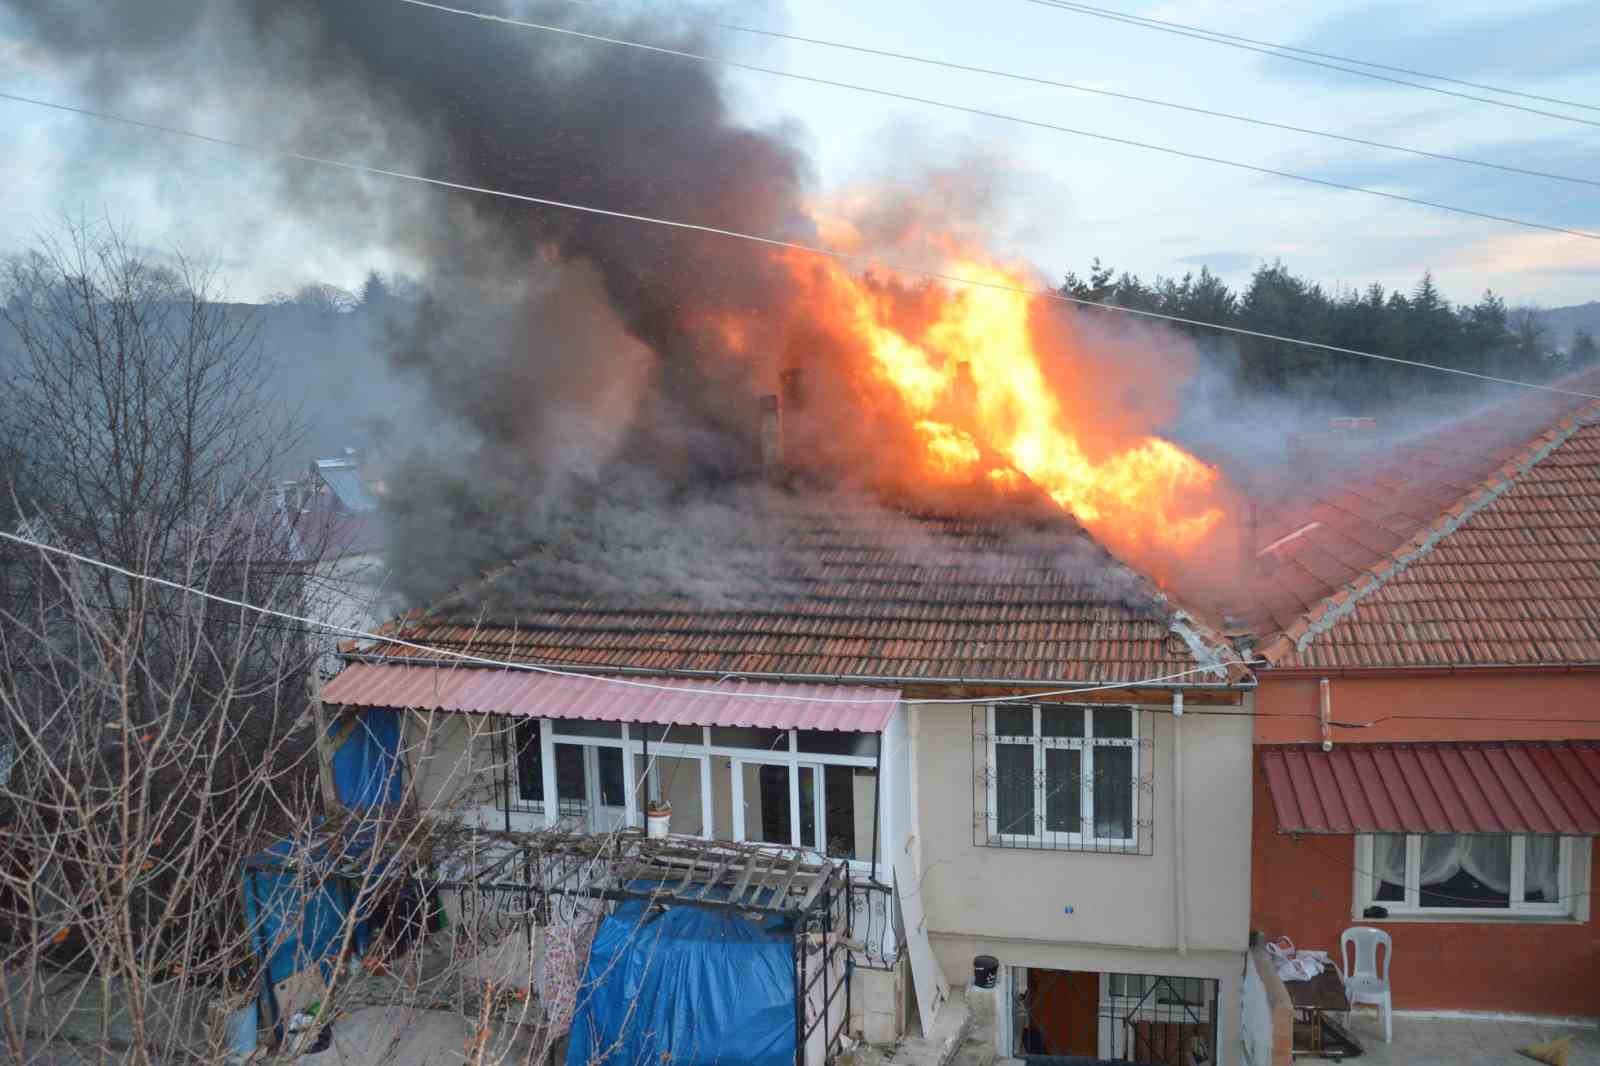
(1517, 909)
(1087, 744)
(632, 743)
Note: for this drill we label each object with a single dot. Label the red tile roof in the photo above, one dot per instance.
(844, 592)
(1504, 787)
(1478, 545)
(663, 701)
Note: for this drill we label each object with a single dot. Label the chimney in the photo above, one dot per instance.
(1250, 563)
(771, 435)
(791, 386)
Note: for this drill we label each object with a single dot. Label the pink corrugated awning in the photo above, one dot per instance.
(666, 701)
(1495, 787)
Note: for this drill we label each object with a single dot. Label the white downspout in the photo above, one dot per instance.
(1178, 834)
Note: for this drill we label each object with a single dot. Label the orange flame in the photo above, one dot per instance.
(967, 368)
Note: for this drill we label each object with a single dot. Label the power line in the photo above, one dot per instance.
(1003, 117)
(773, 242)
(1284, 52)
(1152, 101)
(479, 660)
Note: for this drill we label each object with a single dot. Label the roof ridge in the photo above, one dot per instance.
(1332, 609)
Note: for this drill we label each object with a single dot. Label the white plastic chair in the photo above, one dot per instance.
(1364, 982)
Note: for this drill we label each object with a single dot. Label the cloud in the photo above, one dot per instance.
(1222, 262)
(1528, 45)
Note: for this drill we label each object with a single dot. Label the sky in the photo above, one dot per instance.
(1056, 200)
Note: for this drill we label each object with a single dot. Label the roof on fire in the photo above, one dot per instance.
(1477, 545)
(825, 589)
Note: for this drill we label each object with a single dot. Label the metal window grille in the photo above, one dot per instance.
(1063, 777)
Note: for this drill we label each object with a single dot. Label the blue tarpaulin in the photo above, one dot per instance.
(688, 985)
(366, 769)
(293, 928)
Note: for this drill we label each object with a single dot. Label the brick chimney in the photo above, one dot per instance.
(771, 435)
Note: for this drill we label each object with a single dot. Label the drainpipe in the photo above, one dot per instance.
(1325, 712)
(1178, 834)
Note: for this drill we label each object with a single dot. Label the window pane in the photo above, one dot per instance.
(766, 803)
(1063, 790)
(1461, 870)
(808, 807)
(1012, 721)
(1113, 722)
(1389, 868)
(1113, 792)
(837, 742)
(577, 727)
(1542, 870)
(612, 792)
(747, 737)
(848, 797)
(530, 762)
(1014, 788)
(676, 780)
(571, 784)
(1060, 721)
(721, 798)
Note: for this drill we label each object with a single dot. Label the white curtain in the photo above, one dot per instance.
(1544, 868)
(1389, 859)
(1487, 858)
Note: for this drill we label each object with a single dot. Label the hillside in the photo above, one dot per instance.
(1563, 322)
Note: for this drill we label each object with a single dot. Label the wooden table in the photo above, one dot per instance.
(1313, 1001)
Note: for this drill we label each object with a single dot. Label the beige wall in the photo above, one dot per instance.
(453, 764)
(1012, 903)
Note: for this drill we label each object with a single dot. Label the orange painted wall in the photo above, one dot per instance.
(1491, 700)
(1303, 888)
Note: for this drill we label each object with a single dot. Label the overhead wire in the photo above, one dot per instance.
(1031, 79)
(774, 242)
(1285, 52)
(1218, 666)
(1004, 117)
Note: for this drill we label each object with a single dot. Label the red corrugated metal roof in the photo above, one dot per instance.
(1501, 787)
(663, 701)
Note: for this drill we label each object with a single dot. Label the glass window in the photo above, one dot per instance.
(530, 761)
(1014, 789)
(836, 742)
(808, 807)
(577, 727)
(748, 737)
(1451, 872)
(1113, 792)
(1059, 770)
(676, 780)
(612, 789)
(766, 803)
(849, 810)
(1063, 797)
(1060, 721)
(572, 783)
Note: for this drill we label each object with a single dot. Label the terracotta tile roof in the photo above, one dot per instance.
(842, 592)
(1477, 546)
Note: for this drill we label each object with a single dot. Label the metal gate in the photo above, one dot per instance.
(1146, 1018)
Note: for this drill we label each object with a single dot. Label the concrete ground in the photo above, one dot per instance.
(1423, 1041)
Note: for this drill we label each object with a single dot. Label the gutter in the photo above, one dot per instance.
(1179, 836)
(1297, 673)
(825, 679)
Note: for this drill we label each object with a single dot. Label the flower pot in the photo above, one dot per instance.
(657, 820)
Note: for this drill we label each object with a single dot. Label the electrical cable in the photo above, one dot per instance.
(1152, 101)
(479, 660)
(1283, 52)
(1003, 117)
(774, 242)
